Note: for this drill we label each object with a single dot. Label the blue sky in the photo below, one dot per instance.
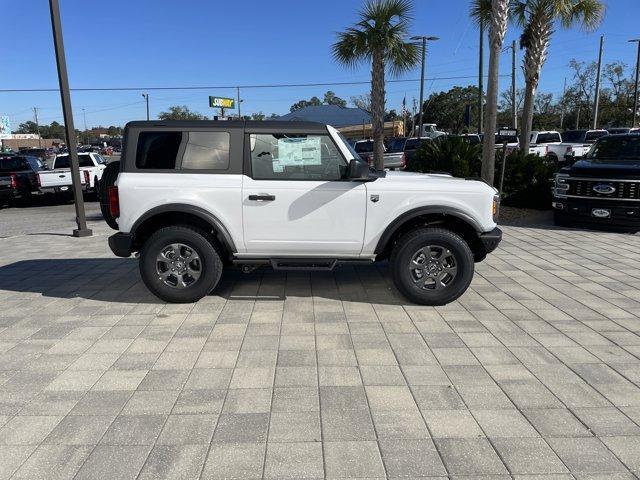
(150, 43)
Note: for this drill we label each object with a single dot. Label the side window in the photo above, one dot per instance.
(295, 157)
(85, 161)
(206, 151)
(62, 162)
(158, 150)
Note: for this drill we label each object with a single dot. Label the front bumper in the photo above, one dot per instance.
(491, 240)
(580, 211)
(121, 244)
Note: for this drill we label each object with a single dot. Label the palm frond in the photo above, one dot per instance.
(586, 14)
(480, 10)
(402, 57)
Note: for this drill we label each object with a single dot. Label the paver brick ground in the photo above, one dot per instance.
(533, 374)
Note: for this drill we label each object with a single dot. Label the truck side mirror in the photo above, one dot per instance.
(359, 170)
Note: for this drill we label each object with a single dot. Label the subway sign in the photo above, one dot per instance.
(221, 102)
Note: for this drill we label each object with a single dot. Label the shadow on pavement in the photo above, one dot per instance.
(118, 280)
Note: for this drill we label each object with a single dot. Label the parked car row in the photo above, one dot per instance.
(24, 176)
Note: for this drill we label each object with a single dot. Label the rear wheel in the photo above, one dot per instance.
(432, 266)
(109, 177)
(180, 264)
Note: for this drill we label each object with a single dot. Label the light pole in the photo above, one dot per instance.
(67, 112)
(596, 103)
(635, 91)
(146, 97)
(424, 40)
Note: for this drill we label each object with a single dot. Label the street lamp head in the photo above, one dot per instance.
(634, 40)
(423, 37)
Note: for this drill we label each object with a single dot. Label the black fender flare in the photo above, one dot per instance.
(208, 217)
(417, 212)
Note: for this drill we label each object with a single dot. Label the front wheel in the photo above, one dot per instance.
(432, 266)
(180, 264)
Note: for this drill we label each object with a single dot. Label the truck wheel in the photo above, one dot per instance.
(431, 266)
(109, 177)
(180, 264)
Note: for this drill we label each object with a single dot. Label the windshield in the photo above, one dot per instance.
(615, 149)
(396, 145)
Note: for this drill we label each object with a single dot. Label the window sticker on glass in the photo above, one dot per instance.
(299, 151)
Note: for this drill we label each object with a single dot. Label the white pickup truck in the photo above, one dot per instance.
(195, 197)
(575, 143)
(58, 180)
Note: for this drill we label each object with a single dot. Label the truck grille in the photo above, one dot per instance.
(623, 190)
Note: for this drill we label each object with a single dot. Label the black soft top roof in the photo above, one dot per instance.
(250, 126)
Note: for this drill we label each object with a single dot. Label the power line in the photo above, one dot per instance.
(211, 87)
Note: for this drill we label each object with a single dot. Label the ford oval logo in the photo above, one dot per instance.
(604, 188)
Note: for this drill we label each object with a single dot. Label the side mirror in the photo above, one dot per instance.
(359, 170)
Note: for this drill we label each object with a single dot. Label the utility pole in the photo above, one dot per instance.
(480, 77)
(72, 144)
(597, 99)
(35, 114)
(423, 45)
(413, 117)
(146, 98)
(635, 91)
(564, 91)
(239, 114)
(514, 98)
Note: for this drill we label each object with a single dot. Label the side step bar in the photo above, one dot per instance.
(294, 263)
(319, 264)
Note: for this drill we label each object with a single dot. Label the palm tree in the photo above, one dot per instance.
(538, 19)
(496, 13)
(379, 37)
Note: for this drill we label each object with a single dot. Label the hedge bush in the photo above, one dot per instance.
(528, 178)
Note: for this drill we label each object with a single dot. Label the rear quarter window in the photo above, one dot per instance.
(184, 150)
(158, 150)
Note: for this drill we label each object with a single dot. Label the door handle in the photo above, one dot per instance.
(262, 197)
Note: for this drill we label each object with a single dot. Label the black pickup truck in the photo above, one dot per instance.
(603, 188)
(18, 177)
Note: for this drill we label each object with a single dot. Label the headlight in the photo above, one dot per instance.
(496, 206)
(561, 185)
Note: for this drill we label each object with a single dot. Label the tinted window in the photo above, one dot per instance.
(295, 157)
(364, 146)
(34, 162)
(62, 161)
(158, 150)
(13, 164)
(397, 145)
(548, 138)
(506, 138)
(414, 143)
(593, 136)
(574, 136)
(206, 150)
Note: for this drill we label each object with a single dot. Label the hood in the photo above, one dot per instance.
(416, 175)
(595, 168)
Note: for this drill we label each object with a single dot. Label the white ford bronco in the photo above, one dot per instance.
(195, 197)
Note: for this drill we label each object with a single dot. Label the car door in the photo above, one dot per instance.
(296, 199)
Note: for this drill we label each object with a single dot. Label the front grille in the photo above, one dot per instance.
(623, 190)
